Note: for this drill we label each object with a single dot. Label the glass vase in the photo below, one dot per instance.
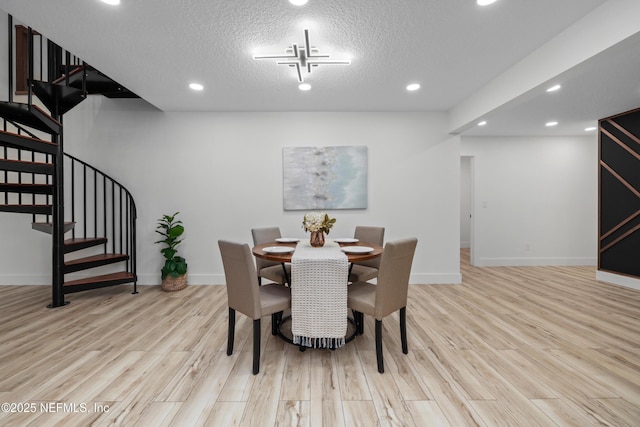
(317, 239)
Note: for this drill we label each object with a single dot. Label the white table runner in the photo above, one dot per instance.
(319, 295)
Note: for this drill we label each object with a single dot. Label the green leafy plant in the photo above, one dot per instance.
(171, 229)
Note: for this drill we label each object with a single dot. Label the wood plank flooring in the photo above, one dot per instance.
(516, 346)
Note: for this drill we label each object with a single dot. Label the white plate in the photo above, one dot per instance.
(357, 249)
(287, 240)
(346, 240)
(278, 249)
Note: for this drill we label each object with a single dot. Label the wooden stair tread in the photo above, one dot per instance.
(31, 116)
(34, 106)
(14, 140)
(47, 227)
(96, 258)
(24, 184)
(121, 276)
(26, 208)
(48, 206)
(71, 266)
(25, 166)
(11, 187)
(79, 243)
(81, 240)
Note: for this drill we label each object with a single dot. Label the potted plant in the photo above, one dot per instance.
(174, 271)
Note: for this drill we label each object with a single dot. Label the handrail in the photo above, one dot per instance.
(104, 208)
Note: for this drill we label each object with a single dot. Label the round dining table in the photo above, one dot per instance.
(369, 251)
(354, 255)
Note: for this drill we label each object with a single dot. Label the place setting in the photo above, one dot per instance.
(278, 249)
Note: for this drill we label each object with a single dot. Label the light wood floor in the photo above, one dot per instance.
(527, 346)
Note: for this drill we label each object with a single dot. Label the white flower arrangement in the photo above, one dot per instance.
(318, 221)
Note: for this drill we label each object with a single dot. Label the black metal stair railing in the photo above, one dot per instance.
(63, 193)
(25, 174)
(98, 205)
(101, 207)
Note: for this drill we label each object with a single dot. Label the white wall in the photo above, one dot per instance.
(535, 200)
(223, 172)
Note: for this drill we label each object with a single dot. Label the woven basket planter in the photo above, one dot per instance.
(172, 284)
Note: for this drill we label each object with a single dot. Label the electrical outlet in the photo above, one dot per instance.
(527, 246)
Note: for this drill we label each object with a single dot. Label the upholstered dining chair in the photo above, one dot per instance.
(274, 271)
(366, 270)
(388, 295)
(244, 295)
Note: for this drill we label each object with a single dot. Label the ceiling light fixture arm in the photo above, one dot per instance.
(302, 57)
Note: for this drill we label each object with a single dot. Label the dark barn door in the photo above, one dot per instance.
(619, 194)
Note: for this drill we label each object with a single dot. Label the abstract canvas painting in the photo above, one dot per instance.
(324, 177)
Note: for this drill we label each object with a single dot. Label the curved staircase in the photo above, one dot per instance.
(91, 217)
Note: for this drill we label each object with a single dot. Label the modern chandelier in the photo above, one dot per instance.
(302, 57)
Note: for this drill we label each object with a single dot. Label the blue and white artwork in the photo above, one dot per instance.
(324, 177)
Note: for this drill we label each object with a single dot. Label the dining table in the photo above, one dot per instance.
(319, 280)
(348, 246)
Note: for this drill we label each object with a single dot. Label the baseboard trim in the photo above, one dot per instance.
(25, 279)
(617, 279)
(218, 279)
(435, 278)
(143, 279)
(193, 279)
(532, 262)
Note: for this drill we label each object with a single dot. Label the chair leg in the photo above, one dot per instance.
(232, 330)
(379, 346)
(359, 317)
(256, 346)
(403, 329)
(259, 280)
(287, 281)
(275, 323)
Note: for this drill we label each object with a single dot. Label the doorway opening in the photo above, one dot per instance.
(466, 211)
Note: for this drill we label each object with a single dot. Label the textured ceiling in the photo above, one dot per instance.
(156, 47)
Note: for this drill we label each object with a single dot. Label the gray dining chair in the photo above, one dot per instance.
(270, 270)
(388, 295)
(366, 270)
(246, 296)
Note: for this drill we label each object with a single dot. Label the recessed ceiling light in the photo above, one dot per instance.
(590, 129)
(196, 86)
(111, 2)
(298, 2)
(482, 123)
(554, 88)
(413, 86)
(304, 86)
(485, 2)
(549, 124)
